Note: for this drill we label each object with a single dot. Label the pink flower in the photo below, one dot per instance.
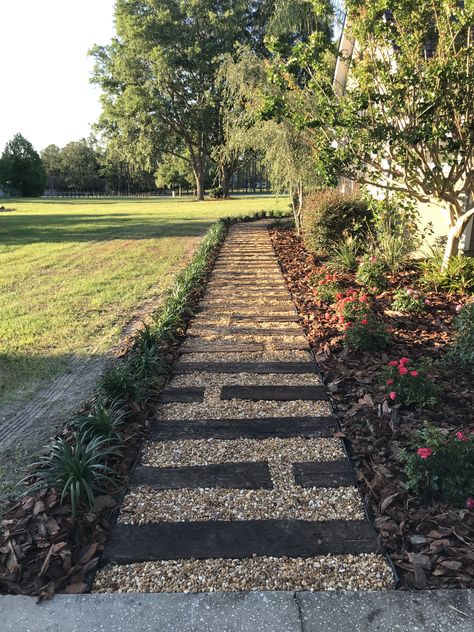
(364, 321)
(470, 503)
(390, 381)
(374, 289)
(402, 370)
(327, 316)
(458, 308)
(409, 292)
(424, 452)
(427, 301)
(373, 259)
(392, 395)
(414, 373)
(346, 326)
(393, 363)
(404, 361)
(339, 295)
(363, 298)
(461, 436)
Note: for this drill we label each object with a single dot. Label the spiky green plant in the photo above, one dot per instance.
(120, 383)
(103, 421)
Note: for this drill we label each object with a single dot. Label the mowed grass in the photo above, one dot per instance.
(73, 273)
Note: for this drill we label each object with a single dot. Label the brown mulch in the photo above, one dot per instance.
(431, 545)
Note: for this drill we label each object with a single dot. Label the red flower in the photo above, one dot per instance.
(402, 370)
(327, 316)
(364, 321)
(414, 373)
(470, 503)
(363, 298)
(404, 361)
(346, 326)
(392, 395)
(393, 363)
(461, 436)
(390, 381)
(339, 295)
(424, 452)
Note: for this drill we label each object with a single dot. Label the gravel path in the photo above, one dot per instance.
(245, 293)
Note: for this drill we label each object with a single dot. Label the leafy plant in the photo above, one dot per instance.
(456, 278)
(103, 421)
(79, 471)
(120, 383)
(372, 273)
(344, 256)
(351, 306)
(327, 292)
(462, 351)
(440, 465)
(408, 301)
(409, 385)
(368, 334)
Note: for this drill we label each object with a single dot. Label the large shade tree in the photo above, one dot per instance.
(21, 169)
(158, 77)
(404, 122)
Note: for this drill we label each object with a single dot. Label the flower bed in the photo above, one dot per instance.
(407, 416)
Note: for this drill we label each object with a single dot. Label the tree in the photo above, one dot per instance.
(174, 172)
(51, 158)
(79, 165)
(158, 77)
(405, 120)
(21, 168)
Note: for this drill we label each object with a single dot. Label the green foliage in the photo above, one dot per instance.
(216, 193)
(462, 351)
(327, 293)
(372, 273)
(410, 385)
(440, 466)
(120, 383)
(395, 235)
(79, 165)
(21, 169)
(344, 256)
(78, 470)
(174, 172)
(103, 421)
(368, 334)
(352, 306)
(456, 278)
(408, 301)
(331, 218)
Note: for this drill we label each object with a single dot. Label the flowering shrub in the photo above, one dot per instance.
(320, 273)
(440, 466)
(327, 292)
(367, 334)
(372, 274)
(409, 385)
(409, 301)
(351, 306)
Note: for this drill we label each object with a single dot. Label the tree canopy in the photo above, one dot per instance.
(21, 169)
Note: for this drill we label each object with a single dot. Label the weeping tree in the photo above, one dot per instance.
(404, 122)
(158, 78)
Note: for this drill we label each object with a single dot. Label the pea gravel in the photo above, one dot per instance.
(292, 355)
(331, 572)
(245, 379)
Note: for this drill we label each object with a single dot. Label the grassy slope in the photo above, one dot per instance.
(72, 273)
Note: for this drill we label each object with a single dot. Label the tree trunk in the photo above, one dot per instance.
(454, 236)
(225, 181)
(297, 205)
(199, 178)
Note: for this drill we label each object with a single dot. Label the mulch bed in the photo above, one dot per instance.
(431, 545)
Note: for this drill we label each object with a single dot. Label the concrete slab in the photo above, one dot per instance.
(218, 612)
(392, 611)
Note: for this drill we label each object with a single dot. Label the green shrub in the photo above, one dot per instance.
(457, 278)
(79, 471)
(118, 383)
(344, 256)
(462, 351)
(351, 306)
(409, 385)
(330, 217)
(408, 301)
(103, 421)
(216, 193)
(328, 291)
(372, 274)
(440, 466)
(368, 334)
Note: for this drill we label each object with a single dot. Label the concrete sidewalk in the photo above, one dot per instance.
(392, 611)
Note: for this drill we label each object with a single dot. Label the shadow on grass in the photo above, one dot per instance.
(61, 228)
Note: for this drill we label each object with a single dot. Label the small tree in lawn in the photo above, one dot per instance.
(405, 120)
(21, 168)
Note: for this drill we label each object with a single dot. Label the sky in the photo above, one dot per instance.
(45, 92)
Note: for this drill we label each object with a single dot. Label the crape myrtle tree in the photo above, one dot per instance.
(404, 122)
(158, 77)
(21, 169)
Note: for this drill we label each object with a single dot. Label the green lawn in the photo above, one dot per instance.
(72, 273)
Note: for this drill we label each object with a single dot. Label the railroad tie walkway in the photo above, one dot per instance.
(242, 484)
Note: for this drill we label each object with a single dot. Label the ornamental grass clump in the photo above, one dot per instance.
(408, 385)
(372, 273)
(440, 466)
(368, 334)
(102, 421)
(344, 256)
(409, 301)
(461, 353)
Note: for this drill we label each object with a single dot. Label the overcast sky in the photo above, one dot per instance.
(45, 92)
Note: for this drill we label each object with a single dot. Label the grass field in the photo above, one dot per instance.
(72, 274)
